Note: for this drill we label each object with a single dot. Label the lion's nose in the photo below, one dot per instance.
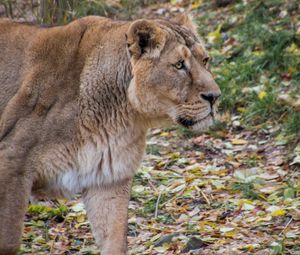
(211, 97)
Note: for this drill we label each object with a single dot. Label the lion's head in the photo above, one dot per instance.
(171, 78)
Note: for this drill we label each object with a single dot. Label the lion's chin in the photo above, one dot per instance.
(197, 126)
(202, 125)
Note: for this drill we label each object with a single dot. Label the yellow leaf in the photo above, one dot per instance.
(278, 213)
(215, 36)
(221, 241)
(164, 134)
(258, 53)
(246, 201)
(80, 218)
(262, 94)
(40, 240)
(239, 141)
(241, 109)
(154, 238)
(196, 4)
(62, 201)
(230, 234)
(292, 70)
(293, 48)
(251, 247)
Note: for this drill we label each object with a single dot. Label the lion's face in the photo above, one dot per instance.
(171, 78)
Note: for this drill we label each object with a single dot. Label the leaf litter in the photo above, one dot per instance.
(192, 195)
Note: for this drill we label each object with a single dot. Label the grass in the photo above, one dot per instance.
(255, 59)
(293, 123)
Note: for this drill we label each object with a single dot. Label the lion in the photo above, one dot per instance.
(75, 105)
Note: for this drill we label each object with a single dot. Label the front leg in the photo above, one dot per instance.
(107, 210)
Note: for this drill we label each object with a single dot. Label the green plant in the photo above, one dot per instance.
(246, 188)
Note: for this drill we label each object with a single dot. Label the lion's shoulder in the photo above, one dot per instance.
(40, 67)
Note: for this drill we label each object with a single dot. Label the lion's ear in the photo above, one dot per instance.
(145, 38)
(186, 21)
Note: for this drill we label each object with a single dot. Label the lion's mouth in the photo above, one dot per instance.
(188, 123)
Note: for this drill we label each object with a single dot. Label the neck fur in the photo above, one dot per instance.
(104, 106)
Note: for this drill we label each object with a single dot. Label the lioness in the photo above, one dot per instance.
(75, 105)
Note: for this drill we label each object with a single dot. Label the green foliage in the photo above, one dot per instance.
(247, 189)
(277, 248)
(256, 60)
(184, 132)
(153, 149)
(64, 11)
(150, 205)
(96, 7)
(165, 218)
(293, 123)
(59, 12)
(46, 212)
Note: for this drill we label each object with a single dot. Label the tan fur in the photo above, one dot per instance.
(75, 105)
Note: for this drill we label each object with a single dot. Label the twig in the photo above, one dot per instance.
(286, 226)
(153, 186)
(156, 206)
(203, 195)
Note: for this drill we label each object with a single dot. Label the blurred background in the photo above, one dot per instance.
(232, 190)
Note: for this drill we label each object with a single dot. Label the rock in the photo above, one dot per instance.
(165, 239)
(194, 243)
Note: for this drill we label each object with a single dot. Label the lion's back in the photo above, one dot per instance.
(28, 50)
(14, 39)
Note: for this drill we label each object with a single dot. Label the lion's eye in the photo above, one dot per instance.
(180, 65)
(205, 60)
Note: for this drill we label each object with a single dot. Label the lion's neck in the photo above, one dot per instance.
(111, 136)
(105, 111)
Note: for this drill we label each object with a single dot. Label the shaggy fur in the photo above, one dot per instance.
(75, 105)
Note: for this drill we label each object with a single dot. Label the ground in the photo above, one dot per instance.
(232, 190)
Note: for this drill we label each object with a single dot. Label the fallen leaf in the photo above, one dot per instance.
(239, 141)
